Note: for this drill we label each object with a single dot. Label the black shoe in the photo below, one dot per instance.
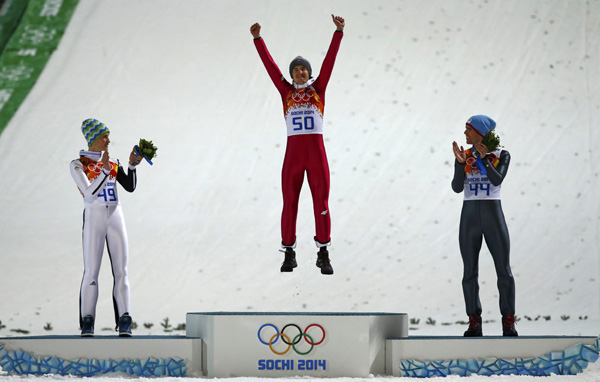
(323, 261)
(508, 326)
(87, 326)
(474, 329)
(289, 262)
(125, 325)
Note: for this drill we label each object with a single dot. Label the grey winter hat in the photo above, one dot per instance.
(300, 61)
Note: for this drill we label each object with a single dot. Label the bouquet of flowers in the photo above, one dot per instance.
(146, 149)
(491, 141)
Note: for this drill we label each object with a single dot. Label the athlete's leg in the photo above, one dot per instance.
(498, 241)
(319, 181)
(470, 240)
(292, 177)
(93, 236)
(118, 251)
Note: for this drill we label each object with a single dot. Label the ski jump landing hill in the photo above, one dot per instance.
(203, 223)
(229, 344)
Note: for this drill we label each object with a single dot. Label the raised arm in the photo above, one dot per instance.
(329, 61)
(458, 180)
(88, 190)
(496, 175)
(129, 180)
(272, 69)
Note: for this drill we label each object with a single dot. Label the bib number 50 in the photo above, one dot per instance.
(306, 123)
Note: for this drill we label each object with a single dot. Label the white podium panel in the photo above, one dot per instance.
(288, 344)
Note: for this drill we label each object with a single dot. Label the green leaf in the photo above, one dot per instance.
(147, 148)
(491, 141)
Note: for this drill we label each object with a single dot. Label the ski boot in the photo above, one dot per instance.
(508, 326)
(125, 325)
(474, 329)
(323, 261)
(87, 326)
(289, 262)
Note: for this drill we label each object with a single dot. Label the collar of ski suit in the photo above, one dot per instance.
(307, 84)
(93, 155)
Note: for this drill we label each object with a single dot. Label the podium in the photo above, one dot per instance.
(233, 344)
(287, 344)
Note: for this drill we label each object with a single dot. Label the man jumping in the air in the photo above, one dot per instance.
(303, 106)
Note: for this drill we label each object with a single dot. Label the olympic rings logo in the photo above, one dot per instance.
(291, 343)
(299, 96)
(96, 168)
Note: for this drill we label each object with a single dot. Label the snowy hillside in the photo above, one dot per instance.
(204, 222)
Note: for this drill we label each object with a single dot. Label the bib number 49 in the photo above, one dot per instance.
(108, 195)
(306, 123)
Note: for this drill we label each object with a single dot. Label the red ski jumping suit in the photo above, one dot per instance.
(303, 107)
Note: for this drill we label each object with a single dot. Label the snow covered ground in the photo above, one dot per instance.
(204, 222)
(592, 374)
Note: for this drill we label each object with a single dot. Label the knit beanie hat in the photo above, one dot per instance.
(482, 124)
(93, 129)
(300, 61)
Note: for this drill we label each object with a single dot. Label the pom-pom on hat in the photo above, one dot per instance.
(482, 124)
(92, 129)
(300, 61)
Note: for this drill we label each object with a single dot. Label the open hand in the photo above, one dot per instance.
(105, 161)
(481, 149)
(459, 153)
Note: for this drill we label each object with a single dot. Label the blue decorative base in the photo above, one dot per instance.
(19, 362)
(572, 360)
(168, 357)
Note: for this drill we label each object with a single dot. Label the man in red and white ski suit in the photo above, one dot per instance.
(303, 106)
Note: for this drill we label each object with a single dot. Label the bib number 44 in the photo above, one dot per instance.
(480, 187)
